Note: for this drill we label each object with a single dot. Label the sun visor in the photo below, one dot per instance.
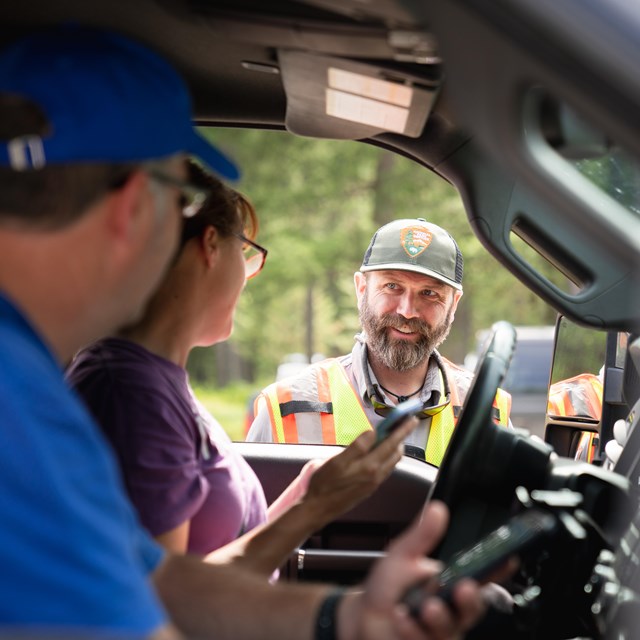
(330, 97)
(391, 11)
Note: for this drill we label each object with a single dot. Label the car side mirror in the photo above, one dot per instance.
(574, 401)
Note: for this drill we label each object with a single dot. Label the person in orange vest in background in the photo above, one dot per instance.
(579, 397)
(408, 288)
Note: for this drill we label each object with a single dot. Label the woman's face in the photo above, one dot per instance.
(226, 282)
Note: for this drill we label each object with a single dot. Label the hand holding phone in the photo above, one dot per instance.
(522, 533)
(395, 418)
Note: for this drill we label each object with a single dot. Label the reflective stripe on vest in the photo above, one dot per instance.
(321, 406)
(311, 418)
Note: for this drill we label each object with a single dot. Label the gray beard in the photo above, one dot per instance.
(401, 355)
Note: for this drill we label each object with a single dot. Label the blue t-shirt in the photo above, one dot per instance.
(72, 553)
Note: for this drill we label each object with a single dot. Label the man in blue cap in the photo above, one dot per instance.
(94, 130)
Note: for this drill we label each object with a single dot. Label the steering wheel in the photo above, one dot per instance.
(475, 430)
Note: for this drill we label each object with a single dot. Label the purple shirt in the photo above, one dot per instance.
(178, 462)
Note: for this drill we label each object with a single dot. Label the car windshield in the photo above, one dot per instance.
(321, 213)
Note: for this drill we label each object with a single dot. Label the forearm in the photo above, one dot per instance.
(318, 495)
(267, 547)
(213, 601)
(228, 601)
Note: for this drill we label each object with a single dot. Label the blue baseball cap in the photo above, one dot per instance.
(106, 99)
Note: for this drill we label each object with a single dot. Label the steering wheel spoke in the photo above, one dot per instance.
(475, 432)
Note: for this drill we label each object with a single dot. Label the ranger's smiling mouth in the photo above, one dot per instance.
(405, 331)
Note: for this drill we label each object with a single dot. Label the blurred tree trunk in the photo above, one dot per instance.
(201, 365)
(220, 364)
(456, 346)
(383, 210)
(228, 364)
(309, 315)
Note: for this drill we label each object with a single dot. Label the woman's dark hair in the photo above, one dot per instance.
(225, 209)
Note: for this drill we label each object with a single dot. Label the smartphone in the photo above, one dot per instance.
(522, 533)
(398, 414)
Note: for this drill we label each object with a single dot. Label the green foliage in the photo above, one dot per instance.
(319, 202)
(617, 174)
(228, 405)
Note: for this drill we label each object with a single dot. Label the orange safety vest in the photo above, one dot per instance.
(321, 406)
(580, 396)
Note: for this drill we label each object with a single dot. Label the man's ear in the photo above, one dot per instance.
(127, 206)
(360, 282)
(454, 303)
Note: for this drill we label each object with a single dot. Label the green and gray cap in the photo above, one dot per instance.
(413, 244)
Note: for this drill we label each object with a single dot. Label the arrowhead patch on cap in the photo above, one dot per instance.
(415, 240)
